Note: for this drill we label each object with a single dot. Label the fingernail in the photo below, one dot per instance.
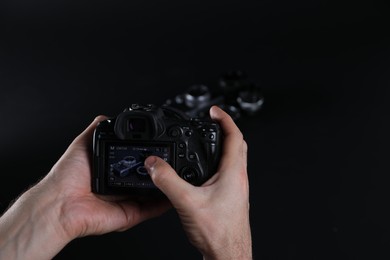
(214, 112)
(150, 162)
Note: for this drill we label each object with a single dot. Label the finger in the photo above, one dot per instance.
(154, 208)
(144, 211)
(233, 138)
(86, 136)
(113, 198)
(167, 180)
(245, 153)
(82, 144)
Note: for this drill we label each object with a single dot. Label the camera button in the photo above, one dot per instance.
(181, 155)
(192, 156)
(190, 174)
(135, 106)
(189, 133)
(211, 136)
(174, 132)
(182, 145)
(213, 148)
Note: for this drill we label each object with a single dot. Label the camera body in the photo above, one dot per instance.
(121, 144)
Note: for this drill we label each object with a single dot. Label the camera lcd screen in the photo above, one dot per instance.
(125, 164)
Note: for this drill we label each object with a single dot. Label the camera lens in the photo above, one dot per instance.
(250, 100)
(197, 95)
(232, 111)
(232, 81)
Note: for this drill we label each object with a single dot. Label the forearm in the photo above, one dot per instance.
(232, 246)
(30, 228)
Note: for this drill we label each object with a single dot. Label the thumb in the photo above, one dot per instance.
(167, 180)
(85, 138)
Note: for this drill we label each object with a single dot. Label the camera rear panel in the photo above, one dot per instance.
(192, 147)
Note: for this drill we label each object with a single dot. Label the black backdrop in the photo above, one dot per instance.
(318, 151)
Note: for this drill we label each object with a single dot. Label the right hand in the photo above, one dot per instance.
(215, 215)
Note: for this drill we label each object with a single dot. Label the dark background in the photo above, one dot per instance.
(318, 151)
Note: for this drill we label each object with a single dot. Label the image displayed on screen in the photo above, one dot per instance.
(126, 164)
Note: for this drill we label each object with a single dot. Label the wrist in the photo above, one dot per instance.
(33, 222)
(241, 251)
(235, 251)
(230, 245)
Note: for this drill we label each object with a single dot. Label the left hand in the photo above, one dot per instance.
(85, 213)
(62, 207)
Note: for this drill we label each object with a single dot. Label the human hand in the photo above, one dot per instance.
(62, 207)
(215, 215)
(84, 212)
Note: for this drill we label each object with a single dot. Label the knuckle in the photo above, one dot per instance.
(245, 146)
(100, 118)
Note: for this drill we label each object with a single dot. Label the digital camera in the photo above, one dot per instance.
(121, 144)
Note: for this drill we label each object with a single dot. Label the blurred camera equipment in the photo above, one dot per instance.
(234, 93)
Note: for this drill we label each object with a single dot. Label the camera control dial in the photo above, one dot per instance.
(190, 174)
(175, 131)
